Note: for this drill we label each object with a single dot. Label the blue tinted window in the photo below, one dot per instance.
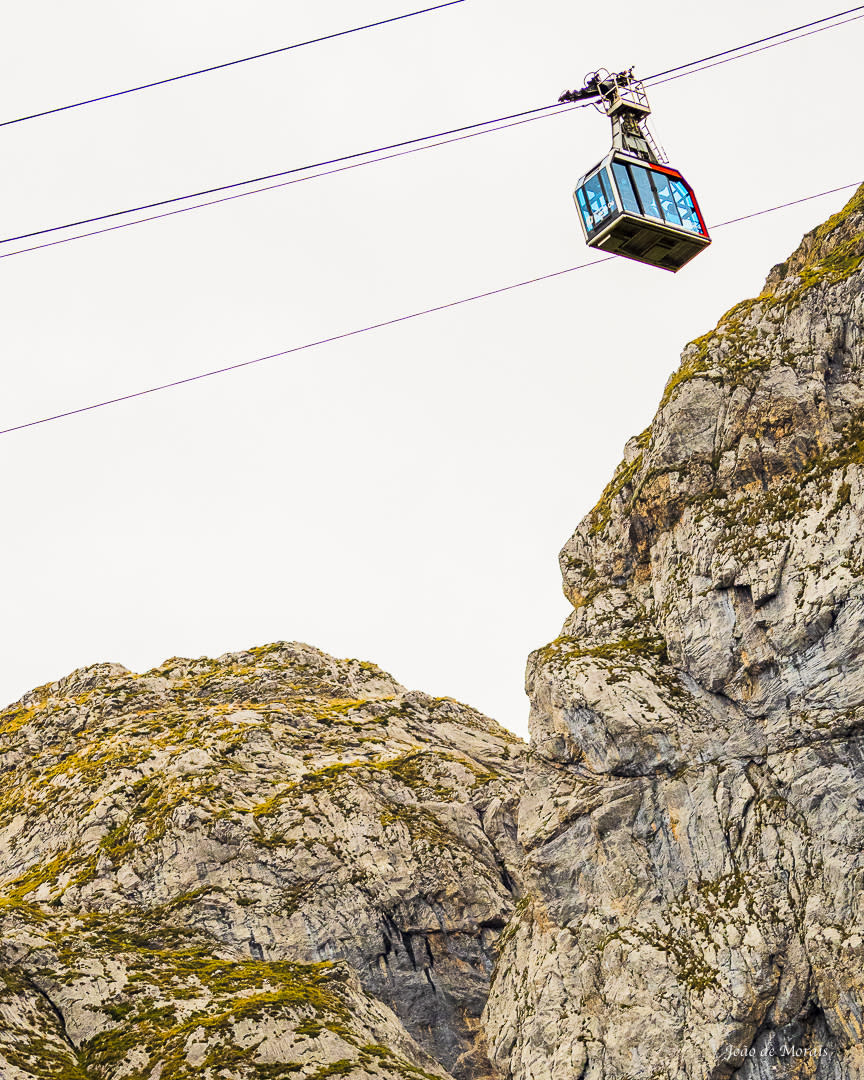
(625, 187)
(684, 202)
(606, 186)
(583, 207)
(667, 199)
(599, 202)
(646, 192)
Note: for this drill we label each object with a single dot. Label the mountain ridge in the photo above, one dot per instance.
(302, 828)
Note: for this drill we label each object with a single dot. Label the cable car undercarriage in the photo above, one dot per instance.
(632, 203)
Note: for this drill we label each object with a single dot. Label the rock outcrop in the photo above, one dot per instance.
(270, 864)
(693, 810)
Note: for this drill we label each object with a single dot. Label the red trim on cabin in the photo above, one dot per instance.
(696, 205)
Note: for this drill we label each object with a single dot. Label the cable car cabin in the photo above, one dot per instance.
(642, 210)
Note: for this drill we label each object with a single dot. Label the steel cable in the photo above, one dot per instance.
(226, 64)
(465, 131)
(376, 326)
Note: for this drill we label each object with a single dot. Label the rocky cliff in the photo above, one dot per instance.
(693, 811)
(277, 864)
(272, 864)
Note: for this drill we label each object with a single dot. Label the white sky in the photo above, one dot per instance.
(402, 496)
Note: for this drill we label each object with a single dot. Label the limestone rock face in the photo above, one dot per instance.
(277, 864)
(693, 810)
(270, 864)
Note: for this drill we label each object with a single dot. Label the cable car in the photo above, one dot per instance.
(632, 203)
(642, 210)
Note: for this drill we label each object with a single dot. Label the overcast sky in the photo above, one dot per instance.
(400, 496)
